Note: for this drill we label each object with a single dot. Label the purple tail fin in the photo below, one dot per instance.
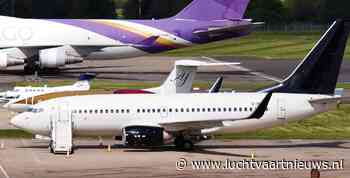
(214, 10)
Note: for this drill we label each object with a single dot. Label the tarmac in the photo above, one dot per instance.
(22, 158)
(157, 68)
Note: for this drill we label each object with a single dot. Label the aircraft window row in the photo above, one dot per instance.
(101, 111)
(34, 90)
(170, 110)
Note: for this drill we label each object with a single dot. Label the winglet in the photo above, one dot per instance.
(260, 111)
(216, 86)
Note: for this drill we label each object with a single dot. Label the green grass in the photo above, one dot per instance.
(14, 134)
(108, 85)
(259, 45)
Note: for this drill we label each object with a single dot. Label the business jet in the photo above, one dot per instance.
(83, 84)
(154, 120)
(53, 43)
(180, 80)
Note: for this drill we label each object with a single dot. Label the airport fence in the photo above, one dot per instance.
(293, 27)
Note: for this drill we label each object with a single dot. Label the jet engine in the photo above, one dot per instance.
(11, 57)
(143, 136)
(58, 57)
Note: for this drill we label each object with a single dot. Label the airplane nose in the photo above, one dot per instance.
(18, 121)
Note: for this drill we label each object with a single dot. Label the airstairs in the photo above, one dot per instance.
(61, 130)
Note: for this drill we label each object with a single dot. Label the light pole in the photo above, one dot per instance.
(140, 8)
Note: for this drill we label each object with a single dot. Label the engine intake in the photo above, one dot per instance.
(143, 136)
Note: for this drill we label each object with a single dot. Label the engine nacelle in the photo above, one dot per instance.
(143, 136)
(58, 57)
(10, 58)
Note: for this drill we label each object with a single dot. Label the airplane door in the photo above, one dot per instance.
(281, 109)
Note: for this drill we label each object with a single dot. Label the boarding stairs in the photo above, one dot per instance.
(61, 130)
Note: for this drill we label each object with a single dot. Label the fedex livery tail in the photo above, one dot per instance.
(52, 43)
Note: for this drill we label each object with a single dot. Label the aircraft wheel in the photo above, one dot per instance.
(188, 145)
(179, 142)
(30, 69)
(51, 148)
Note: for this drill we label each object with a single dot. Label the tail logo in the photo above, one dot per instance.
(182, 78)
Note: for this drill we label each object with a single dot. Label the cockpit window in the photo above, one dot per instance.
(35, 110)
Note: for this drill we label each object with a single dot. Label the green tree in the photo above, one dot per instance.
(153, 8)
(303, 10)
(271, 11)
(331, 10)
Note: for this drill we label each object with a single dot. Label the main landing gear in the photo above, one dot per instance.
(183, 144)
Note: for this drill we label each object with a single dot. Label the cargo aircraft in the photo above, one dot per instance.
(53, 43)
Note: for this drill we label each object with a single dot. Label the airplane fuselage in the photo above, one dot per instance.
(107, 115)
(113, 38)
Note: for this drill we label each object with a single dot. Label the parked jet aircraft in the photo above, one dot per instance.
(83, 84)
(180, 80)
(52, 43)
(151, 120)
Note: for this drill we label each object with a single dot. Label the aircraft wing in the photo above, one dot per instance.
(216, 122)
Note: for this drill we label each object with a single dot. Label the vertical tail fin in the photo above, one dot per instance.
(318, 72)
(84, 80)
(207, 10)
(181, 78)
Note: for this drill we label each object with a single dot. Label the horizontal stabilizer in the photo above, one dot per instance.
(193, 63)
(215, 31)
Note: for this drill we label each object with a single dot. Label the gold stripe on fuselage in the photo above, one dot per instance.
(44, 97)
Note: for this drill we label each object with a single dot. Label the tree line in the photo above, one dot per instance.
(269, 11)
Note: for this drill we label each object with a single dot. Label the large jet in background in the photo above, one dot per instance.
(180, 80)
(182, 119)
(52, 43)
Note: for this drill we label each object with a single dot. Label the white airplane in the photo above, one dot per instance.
(154, 120)
(53, 43)
(18, 93)
(180, 80)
